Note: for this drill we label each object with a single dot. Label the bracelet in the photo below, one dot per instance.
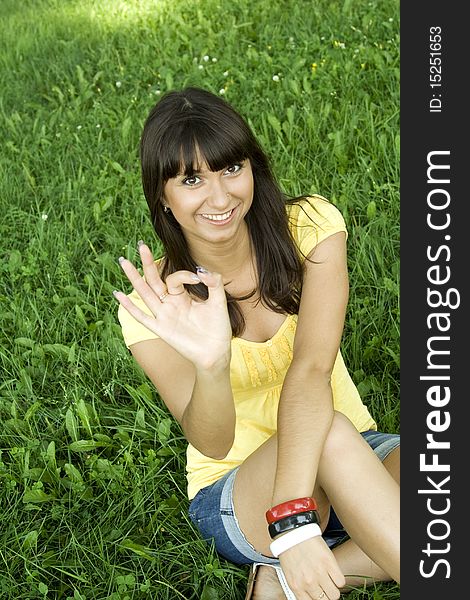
(294, 537)
(292, 522)
(292, 507)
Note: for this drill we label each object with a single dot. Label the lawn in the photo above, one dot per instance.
(92, 485)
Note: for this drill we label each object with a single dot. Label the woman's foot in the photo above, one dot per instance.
(267, 586)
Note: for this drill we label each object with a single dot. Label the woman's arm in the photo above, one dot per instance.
(306, 410)
(200, 399)
(190, 363)
(306, 404)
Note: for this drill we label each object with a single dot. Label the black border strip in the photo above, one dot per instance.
(434, 349)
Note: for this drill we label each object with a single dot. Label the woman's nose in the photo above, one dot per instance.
(218, 195)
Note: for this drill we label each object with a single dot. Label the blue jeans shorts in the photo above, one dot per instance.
(212, 512)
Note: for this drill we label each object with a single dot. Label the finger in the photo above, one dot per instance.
(331, 583)
(337, 576)
(136, 312)
(151, 274)
(329, 591)
(175, 281)
(139, 284)
(318, 594)
(214, 283)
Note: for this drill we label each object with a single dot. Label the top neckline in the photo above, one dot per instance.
(270, 341)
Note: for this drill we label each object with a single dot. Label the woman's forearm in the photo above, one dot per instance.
(208, 421)
(304, 418)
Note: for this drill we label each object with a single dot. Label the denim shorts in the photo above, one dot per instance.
(212, 512)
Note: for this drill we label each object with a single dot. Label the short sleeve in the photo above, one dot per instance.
(312, 220)
(132, 330)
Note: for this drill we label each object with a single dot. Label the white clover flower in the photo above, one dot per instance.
(44, 216)
(157, 92)
(214, 59)
(200, 67)
(205, 58)
(222, 91)
(118, 84)
(275, 77)
(79, 126)
(225, 73)
(98, 125)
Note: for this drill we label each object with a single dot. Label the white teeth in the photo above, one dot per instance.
(218, 217)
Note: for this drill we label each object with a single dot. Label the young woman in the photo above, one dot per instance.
(239, 327)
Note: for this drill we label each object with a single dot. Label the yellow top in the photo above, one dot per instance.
(257, 369)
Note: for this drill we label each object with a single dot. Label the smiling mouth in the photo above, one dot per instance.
(221, 218)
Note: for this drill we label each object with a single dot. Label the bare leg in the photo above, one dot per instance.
(253, 492)
(351, 559)
(365, 496)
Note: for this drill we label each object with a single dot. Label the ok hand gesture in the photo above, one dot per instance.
(199, 330)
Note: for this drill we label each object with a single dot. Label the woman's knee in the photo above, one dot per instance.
(335, 445)
(392, 464)
(342, 433)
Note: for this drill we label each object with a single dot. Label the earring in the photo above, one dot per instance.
(166, 208)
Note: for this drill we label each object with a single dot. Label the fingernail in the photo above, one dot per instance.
(140, 243)
(195, 278)
(202, 270)
(120, 259)
(114, 293)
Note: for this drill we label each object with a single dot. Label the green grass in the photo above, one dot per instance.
(92, 482)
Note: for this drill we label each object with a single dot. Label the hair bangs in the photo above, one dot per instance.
(177, 152)
(194, 143)
(218, 148)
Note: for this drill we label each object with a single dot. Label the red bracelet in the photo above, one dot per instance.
(292, 507)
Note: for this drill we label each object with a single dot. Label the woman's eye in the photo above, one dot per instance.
(233, 168)
(194, 180)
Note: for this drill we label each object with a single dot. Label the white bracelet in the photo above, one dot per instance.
(294, 537)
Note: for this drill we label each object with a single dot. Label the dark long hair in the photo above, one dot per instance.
(193, 124)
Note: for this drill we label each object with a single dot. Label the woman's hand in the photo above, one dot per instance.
(199, 330)
(311, 571)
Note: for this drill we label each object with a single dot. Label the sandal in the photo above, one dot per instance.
(280, 575)
(251, 581)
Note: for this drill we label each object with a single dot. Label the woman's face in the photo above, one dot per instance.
(211, 205)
